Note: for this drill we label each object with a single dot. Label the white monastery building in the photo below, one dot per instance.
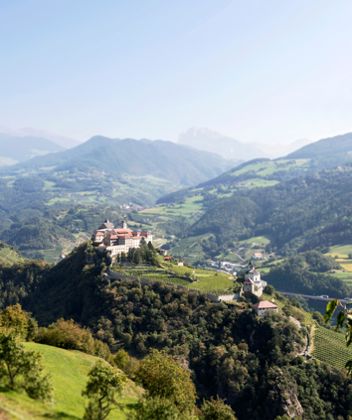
(118, 240)
(253, 283)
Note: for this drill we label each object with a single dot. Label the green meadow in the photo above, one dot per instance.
(68, 371)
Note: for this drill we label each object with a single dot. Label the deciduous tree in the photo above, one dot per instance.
(103, 388)
(20, 369)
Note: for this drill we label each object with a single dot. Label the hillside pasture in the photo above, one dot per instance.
(340, 251)
(68, 371)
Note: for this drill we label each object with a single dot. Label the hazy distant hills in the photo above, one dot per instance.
(231, 148)
(264, 172)
(168, 161)
(46, 203)
(298, 202)
(14, 149)
(225, 146)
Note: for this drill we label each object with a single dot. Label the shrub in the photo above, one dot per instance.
(163, 377)
(14, 320)
(157, 408)
(68, 334)
(216, 409)
(126, 363)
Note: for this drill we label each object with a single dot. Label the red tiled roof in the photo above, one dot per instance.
(119, 231)
(265, 304)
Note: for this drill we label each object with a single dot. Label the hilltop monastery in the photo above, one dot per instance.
(118, 240)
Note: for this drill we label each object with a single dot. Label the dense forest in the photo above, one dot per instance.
(232, 353)
(308, 273)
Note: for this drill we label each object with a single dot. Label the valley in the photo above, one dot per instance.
(193, 270)
(175, 210)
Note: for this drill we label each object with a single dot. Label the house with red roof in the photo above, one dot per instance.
(264, 307)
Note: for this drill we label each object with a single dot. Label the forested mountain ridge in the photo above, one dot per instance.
(264, 172)
(250, 361)
(334, 150)
(175, 163)
(305, 212)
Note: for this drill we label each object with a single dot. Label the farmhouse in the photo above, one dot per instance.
(119, 240)
(264, 307)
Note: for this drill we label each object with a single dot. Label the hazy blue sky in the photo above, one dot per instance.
(257, 70)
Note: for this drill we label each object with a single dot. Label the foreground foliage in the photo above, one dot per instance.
(164, 378)
(20, 369)
(102, 390)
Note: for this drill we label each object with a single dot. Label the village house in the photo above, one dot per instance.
(119, 240)
(253, 283)
(264, 307)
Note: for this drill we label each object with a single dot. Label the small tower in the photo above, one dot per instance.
(124, 224)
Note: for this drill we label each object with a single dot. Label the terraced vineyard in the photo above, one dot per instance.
(330, 347)
(199, 279)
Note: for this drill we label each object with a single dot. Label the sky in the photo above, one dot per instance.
(270, 71)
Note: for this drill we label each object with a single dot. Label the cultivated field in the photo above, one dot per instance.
(203, 280)
(330, 347)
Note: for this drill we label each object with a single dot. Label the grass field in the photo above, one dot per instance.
(188, 207)
(330, 347)
(270, 167)
(208, 281)
(256, 241)
(258, 183)
(340, 251)
(341, 254)
(68, 371)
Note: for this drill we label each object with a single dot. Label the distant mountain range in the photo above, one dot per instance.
(301, 201)
(14, 149)
(166, 160)
(47, 202)
(231, 148)
(225, 146)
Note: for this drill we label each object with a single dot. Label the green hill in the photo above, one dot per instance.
(306, 212)
(332, 151)
(68, 370)
(221, 343)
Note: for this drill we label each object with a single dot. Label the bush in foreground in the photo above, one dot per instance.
(164, 378)
(67, 334)
(103, 388)
(20, 369)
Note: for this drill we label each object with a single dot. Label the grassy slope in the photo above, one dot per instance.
(208, 281)
(68, 371)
